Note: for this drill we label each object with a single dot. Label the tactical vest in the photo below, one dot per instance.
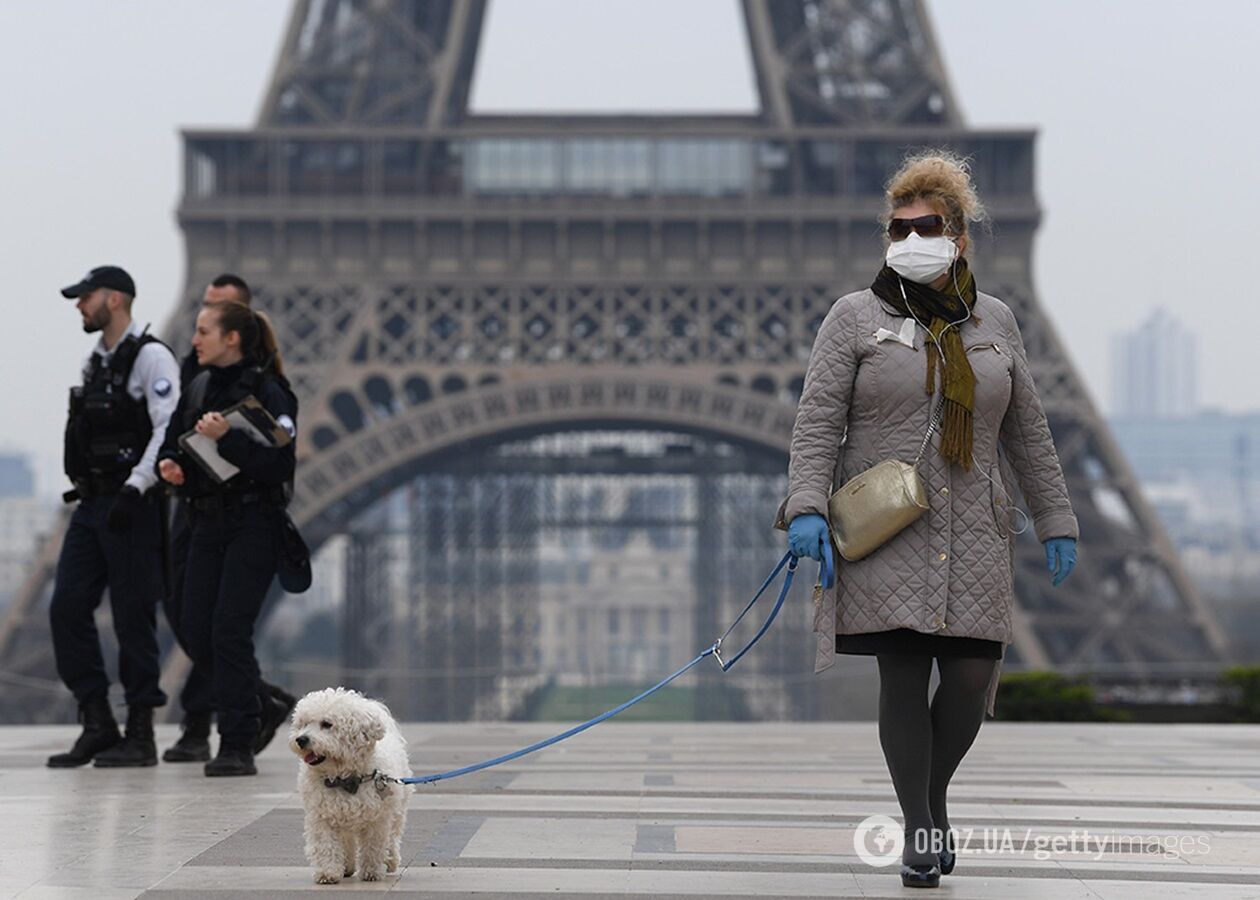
(107, 429)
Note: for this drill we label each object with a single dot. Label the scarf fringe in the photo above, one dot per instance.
(956, 434)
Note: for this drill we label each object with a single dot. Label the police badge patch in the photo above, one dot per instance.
(162, 387)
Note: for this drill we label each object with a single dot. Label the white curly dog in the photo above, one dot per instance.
(354, 816)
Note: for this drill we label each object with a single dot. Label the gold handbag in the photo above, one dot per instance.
(873, 506)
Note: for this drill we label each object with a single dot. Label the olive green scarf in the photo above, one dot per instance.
(937, 309)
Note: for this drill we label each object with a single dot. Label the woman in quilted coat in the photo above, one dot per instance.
(884, 359)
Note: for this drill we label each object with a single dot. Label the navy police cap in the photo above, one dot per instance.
(112, 277)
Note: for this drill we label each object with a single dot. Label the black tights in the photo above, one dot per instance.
(923, 745)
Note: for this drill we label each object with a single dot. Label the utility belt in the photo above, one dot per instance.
(230, 500)
(90, 487)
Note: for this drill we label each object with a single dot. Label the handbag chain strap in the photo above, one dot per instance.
(936, 420)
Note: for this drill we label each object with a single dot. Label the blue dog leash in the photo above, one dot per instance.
(826, 578)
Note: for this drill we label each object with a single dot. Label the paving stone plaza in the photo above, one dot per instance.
(668, 810)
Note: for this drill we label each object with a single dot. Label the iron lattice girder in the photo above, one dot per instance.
(368, 62)
(365, 462)
(383, 62)
(849, 62)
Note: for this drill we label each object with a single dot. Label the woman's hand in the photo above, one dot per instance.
(171, 472)
(807, 535)
(213, 425)
(1060, 558)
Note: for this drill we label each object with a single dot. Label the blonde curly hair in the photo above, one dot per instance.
(943, 179)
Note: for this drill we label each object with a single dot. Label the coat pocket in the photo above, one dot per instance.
(988, 356)
(986, 347)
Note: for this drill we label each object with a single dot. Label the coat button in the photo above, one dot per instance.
(942, 556)
(945, 491)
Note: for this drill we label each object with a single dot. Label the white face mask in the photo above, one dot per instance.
(922, 260)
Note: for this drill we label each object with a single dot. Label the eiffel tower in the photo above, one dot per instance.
(449, 287)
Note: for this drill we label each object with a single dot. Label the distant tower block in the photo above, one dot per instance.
(1155, 369)
(443, 281)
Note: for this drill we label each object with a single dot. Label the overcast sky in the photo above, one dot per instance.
(1146, 158)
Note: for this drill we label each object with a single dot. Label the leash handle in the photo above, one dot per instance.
(827, 565)
(790, 560)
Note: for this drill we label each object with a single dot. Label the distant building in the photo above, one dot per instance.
(17, 478)
(615, 614)
(1155, 369)
(1216, 453)
(1202, 475)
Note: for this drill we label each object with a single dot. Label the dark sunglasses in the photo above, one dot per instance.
(924, 226)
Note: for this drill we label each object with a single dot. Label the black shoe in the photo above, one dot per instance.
(948, 856)
(231, 761)
(928, 875)
(137, 748)
(275, 711)
(194, 742)
(100, 732)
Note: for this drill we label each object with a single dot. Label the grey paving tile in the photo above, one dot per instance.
(654, 839)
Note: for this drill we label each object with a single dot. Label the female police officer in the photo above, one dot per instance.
(236, 523)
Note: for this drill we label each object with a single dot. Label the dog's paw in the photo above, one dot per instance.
(370, 875)
(327, 878)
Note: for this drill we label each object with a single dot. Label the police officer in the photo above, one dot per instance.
(117, 423)
(197, 696)
(234, 544)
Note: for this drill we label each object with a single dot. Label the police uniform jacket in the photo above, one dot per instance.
(263, 469)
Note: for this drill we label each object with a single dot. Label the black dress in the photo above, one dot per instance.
(907, 640)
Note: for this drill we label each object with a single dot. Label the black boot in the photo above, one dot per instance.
(100, 732)
(275, 711)
(137, 748)
(194, 742)
(231, 761)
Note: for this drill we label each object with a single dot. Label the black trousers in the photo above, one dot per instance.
(129, 564)
(197, 697)
(232, 559)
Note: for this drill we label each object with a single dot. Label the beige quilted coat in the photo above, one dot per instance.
(951, 571)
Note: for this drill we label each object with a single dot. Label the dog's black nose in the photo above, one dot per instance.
(302, 741)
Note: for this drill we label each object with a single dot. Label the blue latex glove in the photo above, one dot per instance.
(807, 536)
(1060, 558)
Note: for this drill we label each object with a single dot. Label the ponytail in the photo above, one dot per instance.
(258, 338)
(269, 348)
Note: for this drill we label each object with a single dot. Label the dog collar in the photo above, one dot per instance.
(350, 783)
